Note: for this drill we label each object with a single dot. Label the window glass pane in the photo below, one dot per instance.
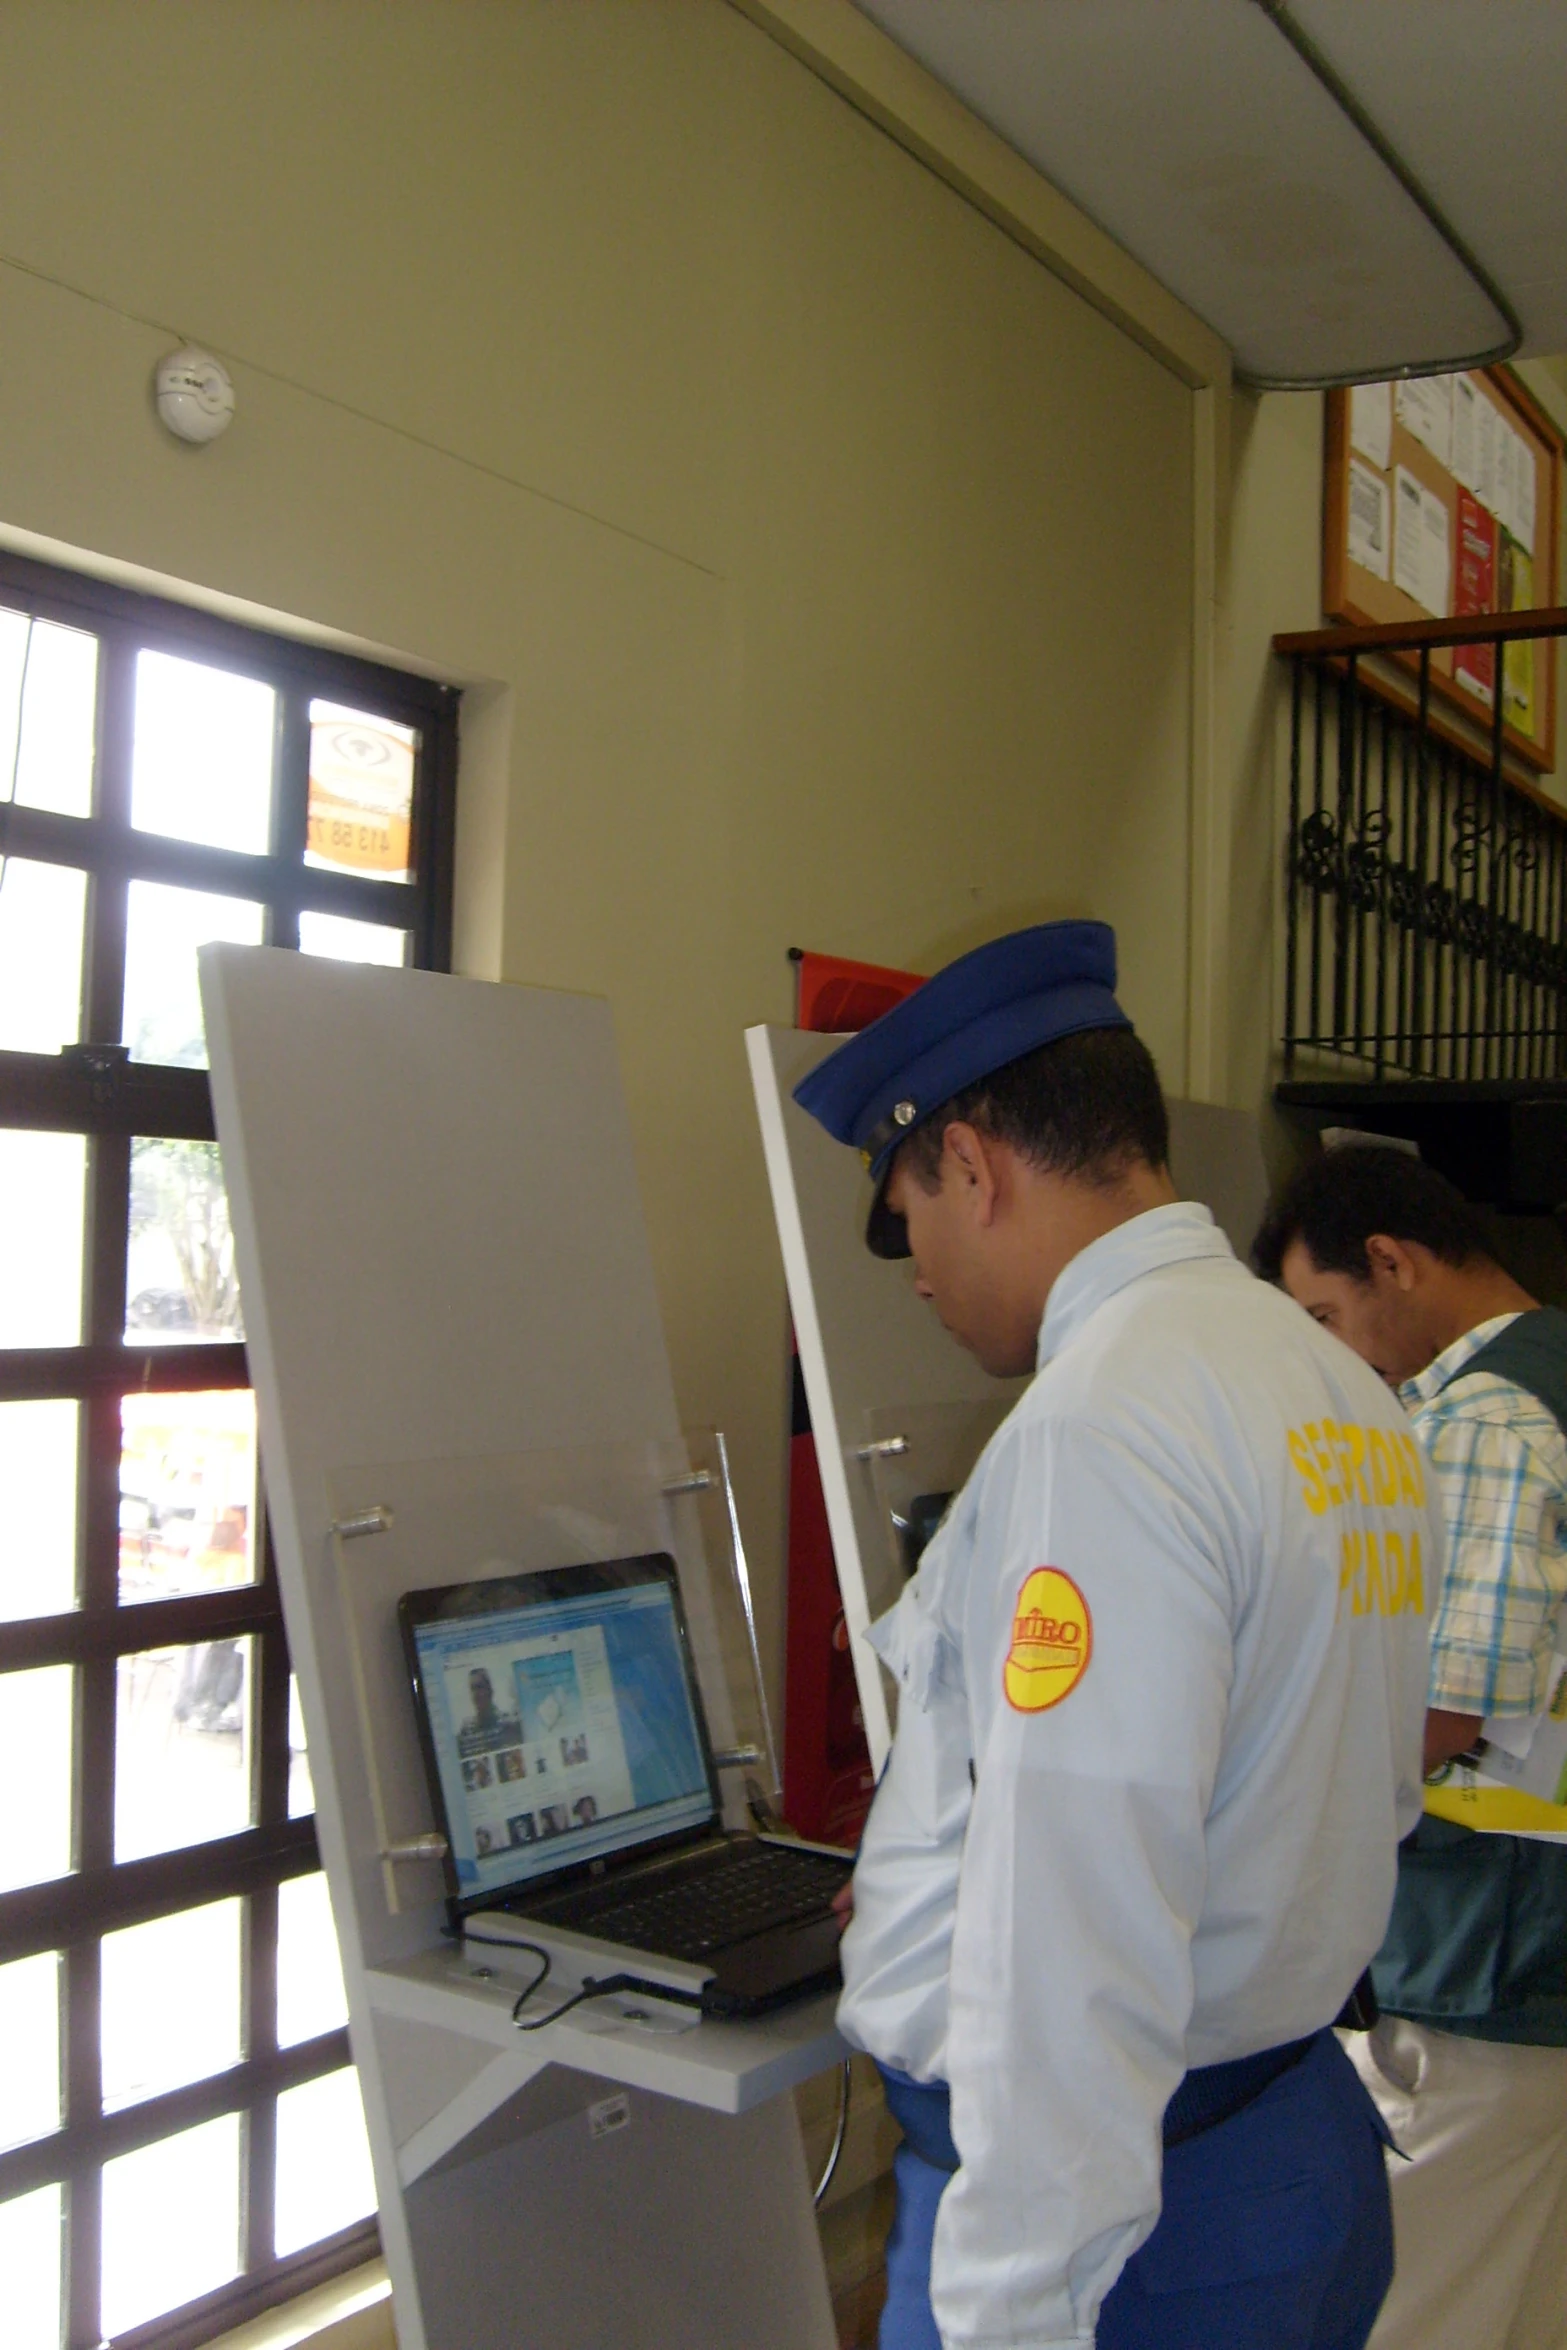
(324, 2180)
(201, 765)
(42, 909)
(42, 1178)
(53, 760)
(361, 792)
(35, 1755)
(170, 2002)
(170, 2223)
(30, 2265)
(182, 1753)
(30, 2036)
(301, 1792)
(37, 1509)
(352, 942)
(310, 1996)
(187, 1492)
(163, 929)
(180, 1279)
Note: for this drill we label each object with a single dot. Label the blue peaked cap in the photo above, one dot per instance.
(986, 1009)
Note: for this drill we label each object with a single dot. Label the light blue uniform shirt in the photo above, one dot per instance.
(1162, 1682)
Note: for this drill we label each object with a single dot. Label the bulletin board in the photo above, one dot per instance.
(1442, 497)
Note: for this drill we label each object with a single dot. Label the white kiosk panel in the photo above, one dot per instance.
(447, 1289)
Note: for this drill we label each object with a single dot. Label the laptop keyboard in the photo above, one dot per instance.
(764, 1886)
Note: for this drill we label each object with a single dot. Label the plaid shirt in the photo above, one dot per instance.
(1501, 1463)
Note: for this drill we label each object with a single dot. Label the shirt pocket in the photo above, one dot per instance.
(931, 1746)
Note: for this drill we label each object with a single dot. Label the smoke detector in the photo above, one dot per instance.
(195, 395)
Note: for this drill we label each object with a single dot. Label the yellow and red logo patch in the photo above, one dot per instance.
(1052, 1641)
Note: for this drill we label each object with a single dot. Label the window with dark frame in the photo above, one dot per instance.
(181, 2142)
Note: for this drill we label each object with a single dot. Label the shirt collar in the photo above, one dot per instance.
(1160, 1236)
(1445, 1367)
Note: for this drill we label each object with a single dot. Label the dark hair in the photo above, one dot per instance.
(1087, 1105)
(1340, 1198)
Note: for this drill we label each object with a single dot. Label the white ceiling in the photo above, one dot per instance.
(1195, 134)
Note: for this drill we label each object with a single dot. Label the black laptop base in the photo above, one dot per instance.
(756, 1913)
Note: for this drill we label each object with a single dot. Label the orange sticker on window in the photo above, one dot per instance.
(1052, 1641)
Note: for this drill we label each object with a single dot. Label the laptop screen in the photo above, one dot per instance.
(560, 1718)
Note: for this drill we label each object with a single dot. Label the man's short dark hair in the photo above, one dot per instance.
(1337, 1201)
(1087, 1105)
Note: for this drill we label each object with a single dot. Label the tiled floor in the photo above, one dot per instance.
(858, 2310)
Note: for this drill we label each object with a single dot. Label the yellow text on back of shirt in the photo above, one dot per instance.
(1381, 1573)
(1339, 1462)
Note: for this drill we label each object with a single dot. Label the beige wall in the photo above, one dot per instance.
(820, 565)
(1273, 582)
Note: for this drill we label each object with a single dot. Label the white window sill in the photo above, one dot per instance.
(353, 2312)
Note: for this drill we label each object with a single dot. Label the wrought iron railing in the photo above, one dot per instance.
(1427, 875)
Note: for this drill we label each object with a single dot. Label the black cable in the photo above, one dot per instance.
(590, 1990)
(594, 1987)
(845, 2092)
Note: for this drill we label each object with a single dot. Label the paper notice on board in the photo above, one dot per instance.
(1368, 519)
(1467, 400)
(1407, 526)
(1439, 555)
(1422, 554)
(1487, 424)
(1371, 426)
(1425, 408)
(1504, 505)
(1516, 484)
(1525, 491)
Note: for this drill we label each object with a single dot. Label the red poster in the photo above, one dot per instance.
(828, 1781)
(1475, 591)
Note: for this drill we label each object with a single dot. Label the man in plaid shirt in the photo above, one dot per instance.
(1469, 2062)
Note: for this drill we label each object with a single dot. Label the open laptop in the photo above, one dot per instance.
(571, 1771)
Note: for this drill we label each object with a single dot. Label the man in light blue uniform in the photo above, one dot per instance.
(1161, 1684)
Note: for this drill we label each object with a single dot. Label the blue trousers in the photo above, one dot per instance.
(1276, 2231)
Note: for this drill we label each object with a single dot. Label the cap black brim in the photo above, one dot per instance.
(886, 1234)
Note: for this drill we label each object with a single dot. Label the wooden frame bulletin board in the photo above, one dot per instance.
(1442, 497)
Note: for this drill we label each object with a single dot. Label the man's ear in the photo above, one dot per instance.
(1391, 1261)
(973, 1158)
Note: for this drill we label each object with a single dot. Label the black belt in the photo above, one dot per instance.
(1214, 2093)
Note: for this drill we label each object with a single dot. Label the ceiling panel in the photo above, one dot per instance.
(1194, 133)
(1473, 95)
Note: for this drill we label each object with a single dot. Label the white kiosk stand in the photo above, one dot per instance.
(901, 1414)
(460, 1371)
